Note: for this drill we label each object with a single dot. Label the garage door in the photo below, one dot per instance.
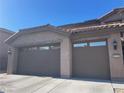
(90, 60)
(39, 60)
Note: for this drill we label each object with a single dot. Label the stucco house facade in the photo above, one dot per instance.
(4, 34)
(91, 49)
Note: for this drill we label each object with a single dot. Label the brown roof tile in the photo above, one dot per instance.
(82, 29)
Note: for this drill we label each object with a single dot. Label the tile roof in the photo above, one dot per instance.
(114, 11)
(84, 29)
(93, 24)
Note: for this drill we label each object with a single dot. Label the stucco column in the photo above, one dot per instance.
(12, 60)
(116, 58)
(66, 58)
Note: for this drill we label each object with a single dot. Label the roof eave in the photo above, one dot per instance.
(6, 30)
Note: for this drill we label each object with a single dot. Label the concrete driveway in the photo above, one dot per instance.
(34, 84)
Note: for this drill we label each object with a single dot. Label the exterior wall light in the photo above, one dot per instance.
(115, 44)
(9, 51)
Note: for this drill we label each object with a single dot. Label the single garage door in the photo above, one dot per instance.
(90, 60)
(39, 60)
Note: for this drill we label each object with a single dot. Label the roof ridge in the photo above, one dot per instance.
(120, 8)
(35, 27)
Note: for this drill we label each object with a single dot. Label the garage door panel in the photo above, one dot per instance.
(91, 62)
(39, 62)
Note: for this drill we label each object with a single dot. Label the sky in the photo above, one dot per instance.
(19, 14)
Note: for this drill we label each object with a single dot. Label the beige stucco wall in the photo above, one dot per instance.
(3, 49)
(66, 58)
(90, 37)
(41, 38)
(116, 63)
(12, 60)
(37, 38)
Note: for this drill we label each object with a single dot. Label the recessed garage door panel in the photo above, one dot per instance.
(91, 62)
(39, 62)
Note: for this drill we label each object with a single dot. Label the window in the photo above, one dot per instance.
(99, 43)
(80, 45)
(44, 48)
(55, 47)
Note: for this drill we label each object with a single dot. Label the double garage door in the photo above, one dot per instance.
(39, 60)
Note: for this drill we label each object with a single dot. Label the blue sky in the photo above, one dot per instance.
(18, 14)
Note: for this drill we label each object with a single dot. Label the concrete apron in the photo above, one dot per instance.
(118, 87)
(34, 84)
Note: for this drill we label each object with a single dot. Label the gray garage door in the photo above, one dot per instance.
(39, 60)
(91, 61)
